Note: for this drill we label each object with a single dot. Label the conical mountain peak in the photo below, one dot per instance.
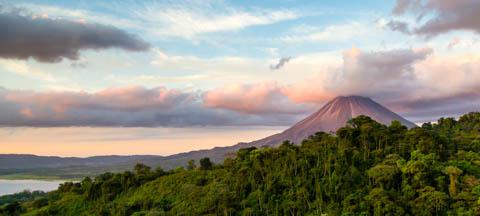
(351, 97)
(332, 116)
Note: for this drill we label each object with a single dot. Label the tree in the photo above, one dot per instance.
(453, 173)
(430, 201)
(205, 163)
(382, 204)
(141, 169)
(40, 202)
(385, 175)
(191, 165)
(143, 173)
(12, 209)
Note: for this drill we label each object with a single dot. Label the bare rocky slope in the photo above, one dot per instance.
(333, 116)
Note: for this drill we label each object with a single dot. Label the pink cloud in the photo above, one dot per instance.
(265, 98)
(129, 98)
(26, 112)
(135, 106)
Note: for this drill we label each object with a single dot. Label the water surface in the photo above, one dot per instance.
(15, 186)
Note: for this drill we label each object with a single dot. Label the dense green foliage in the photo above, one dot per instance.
(365, 169)
(21, 197)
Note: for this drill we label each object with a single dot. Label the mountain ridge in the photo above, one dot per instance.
(328, 118)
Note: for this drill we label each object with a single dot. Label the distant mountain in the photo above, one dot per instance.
(329, 118)
(67, 166)
(333, 116)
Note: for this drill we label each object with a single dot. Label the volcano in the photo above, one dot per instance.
(332, 116)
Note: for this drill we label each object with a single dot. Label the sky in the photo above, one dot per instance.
(82, 78)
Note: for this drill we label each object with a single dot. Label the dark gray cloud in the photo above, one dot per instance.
(399, 26)
(445, 15)
(426, 109)
(50, 40)
(124, 107)
(281, 63)
(428, 103)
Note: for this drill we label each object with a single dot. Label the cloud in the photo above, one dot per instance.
(261, 98)
(401, 6)
(173, 19)
(442, 16)
(281, 63)
(454, 42)
(79, 64)
(444, 81)
(382, 75)
(379, 74)
(399, 26)
(418, 83)
(398, 78)
(431, 107)
(459, 42)
(211, 71)
(23, 69)
(191, 19)
(130, 106)
(81, 15)
(194, 63)
(127, 106)
(458, 98)
(51, 40)
(339, 32)
(382, 71)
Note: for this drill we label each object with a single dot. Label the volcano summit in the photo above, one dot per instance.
(332, 116)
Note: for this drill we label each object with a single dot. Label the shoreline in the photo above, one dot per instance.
(15, 177)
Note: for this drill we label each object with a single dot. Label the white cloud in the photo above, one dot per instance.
(23, 69)
(339, 32)
(222, 64)
(188, 23)
(79, 15)
(172, 19)
(216, 71)
(458, 42)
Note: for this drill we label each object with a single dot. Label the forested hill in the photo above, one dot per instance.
(366, 169)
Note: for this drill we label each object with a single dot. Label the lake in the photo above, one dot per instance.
(14, 186)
